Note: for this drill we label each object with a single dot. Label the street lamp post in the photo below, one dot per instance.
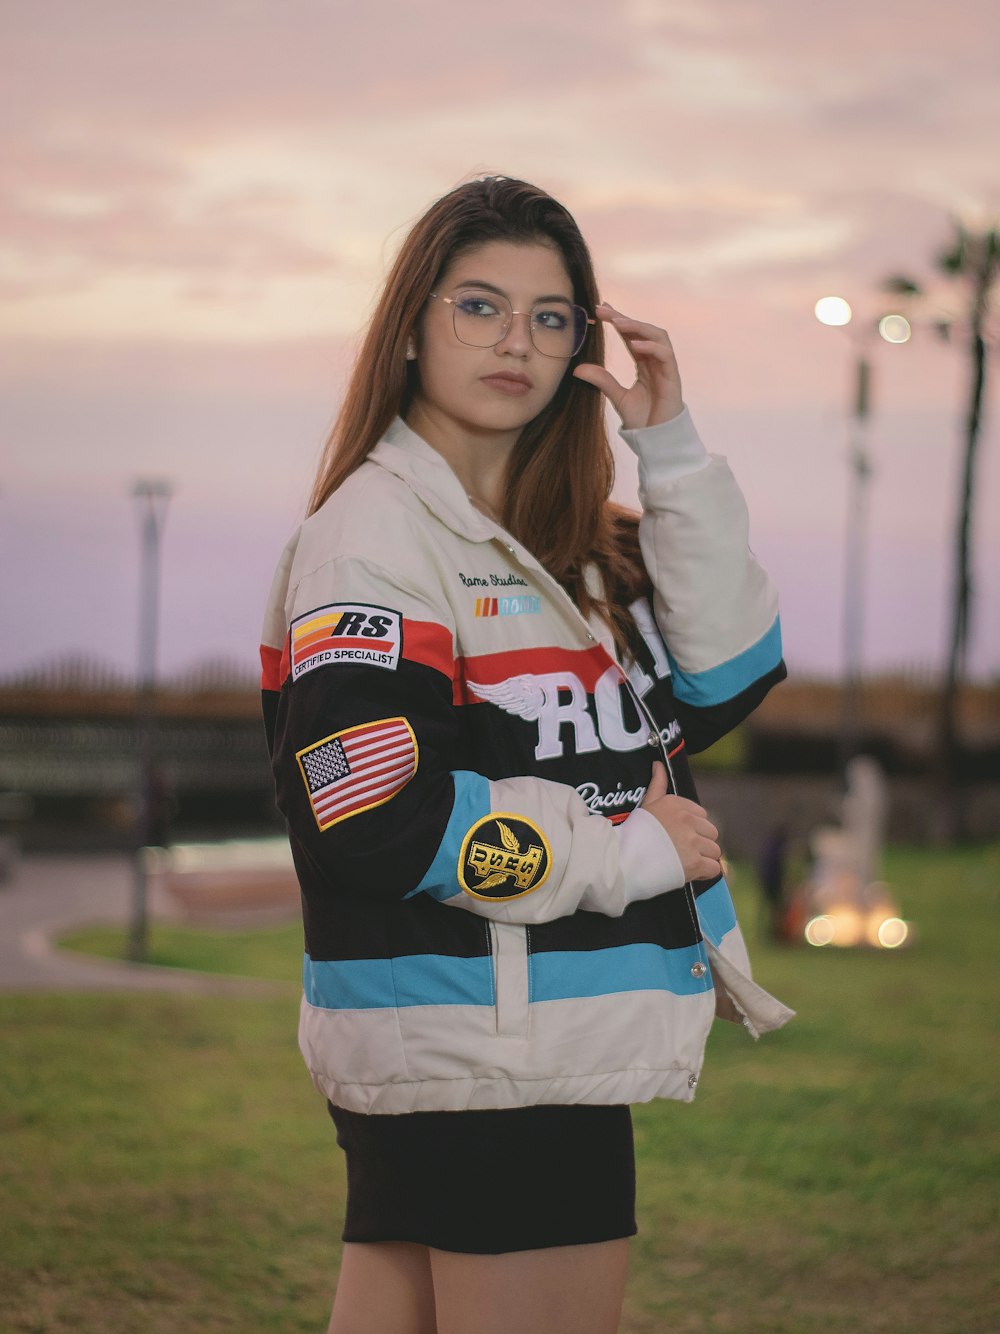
(855, 563)
(893, 328)
(152, 496)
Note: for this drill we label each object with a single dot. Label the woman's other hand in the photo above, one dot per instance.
(691, 831)
(655, 396)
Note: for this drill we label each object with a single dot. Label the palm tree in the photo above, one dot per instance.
(974, 258)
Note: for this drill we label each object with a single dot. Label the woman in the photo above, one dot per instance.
(481, 682)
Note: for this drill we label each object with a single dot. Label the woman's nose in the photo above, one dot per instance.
(517, 339)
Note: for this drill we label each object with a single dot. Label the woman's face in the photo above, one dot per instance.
(499, 388)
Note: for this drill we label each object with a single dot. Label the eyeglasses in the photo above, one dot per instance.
(481, 319)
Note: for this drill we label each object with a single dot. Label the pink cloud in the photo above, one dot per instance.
(672, 127)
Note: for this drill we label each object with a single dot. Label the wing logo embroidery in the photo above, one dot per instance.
(523, 696)
(507, 838)
(512, 846)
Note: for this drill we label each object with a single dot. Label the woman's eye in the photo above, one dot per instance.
(480, 306)
(550, 319)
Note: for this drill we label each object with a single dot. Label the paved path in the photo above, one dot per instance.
(47, 895)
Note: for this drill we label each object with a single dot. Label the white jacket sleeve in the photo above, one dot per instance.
(715, 606)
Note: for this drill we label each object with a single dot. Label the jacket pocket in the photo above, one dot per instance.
(510, 974)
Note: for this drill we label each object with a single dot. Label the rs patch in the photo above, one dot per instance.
(503, 857)
(346, 632)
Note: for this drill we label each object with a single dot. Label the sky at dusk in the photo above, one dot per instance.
(200, 200)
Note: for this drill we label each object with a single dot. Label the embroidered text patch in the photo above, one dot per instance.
(346, 632)
(515, 606)
(503, 857)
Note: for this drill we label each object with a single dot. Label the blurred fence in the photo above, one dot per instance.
(797, 727)
(69, 742)
(93, 688)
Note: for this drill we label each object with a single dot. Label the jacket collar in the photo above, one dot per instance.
(428, 475)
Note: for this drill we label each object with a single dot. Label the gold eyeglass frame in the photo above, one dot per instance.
(452, 301)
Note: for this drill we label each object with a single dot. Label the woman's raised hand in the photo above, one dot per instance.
(655, 396)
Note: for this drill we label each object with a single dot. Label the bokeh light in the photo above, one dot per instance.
(833, 310)
(892, 933)
(820, 931)
(895, 328)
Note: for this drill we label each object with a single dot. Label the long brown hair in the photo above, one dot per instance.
(561, 470)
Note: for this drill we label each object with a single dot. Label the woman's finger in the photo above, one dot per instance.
(601, 378)
(657, 784)
(655, 396)
(629, 327)
(647, 347)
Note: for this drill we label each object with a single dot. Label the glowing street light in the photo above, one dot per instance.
(833, 310)
(895, 329)
(836, 312)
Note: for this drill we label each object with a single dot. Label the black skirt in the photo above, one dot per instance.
(485, 1182)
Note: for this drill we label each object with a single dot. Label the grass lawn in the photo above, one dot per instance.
(166, 1165)
(274, 953)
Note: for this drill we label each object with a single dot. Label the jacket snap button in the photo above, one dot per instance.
(512, 551)
(697, 970)
(692, 1080)
(653, 739)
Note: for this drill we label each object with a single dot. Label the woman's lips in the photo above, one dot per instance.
(514, 385)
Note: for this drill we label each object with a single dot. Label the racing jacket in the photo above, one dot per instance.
(448, 732)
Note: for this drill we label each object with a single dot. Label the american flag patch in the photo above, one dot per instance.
(358, 768)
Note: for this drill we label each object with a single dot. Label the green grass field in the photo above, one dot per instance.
(166, 1165)
(274, 953)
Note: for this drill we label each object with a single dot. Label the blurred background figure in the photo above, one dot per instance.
(771, 864)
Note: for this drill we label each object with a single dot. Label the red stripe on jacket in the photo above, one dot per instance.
(587, 664)
(270, 668)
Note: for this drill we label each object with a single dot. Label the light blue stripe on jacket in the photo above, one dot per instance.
(472, 803)
(411, 979)
(716, 913)
(437, 979)
(717, 684)
(564, 974)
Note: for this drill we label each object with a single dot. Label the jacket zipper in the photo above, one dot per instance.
(655, 738)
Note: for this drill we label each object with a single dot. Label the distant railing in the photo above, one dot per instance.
(82, 675)
(901, 697)
(78, 675)
(88, 688)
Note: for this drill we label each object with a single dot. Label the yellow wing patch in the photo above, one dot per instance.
(503, 858)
